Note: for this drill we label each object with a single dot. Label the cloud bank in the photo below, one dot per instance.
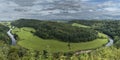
(59, 9)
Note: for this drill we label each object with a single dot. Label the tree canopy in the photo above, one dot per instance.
(3, 33)
(59, 31)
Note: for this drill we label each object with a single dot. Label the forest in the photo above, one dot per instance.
(60, 31)
(109, 27)
(3, 35)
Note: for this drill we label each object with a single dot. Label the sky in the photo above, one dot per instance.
(59, 9)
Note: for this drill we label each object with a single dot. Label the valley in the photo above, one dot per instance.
(23, 37)
(30, 41)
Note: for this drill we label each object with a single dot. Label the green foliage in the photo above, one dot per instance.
(30, 41)
(105, 53)
(18, 53)
(3, 34)
(80, 25)
(109, 27)
(117, 41)
(60, 31)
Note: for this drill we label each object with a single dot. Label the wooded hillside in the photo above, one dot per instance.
(60, 31)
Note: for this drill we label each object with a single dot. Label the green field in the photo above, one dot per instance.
(80, 25)
(30, 41)
(8, 24)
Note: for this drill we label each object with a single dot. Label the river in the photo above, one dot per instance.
(13, 41)
(110, 43)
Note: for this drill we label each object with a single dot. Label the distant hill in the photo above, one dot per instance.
(57, 30)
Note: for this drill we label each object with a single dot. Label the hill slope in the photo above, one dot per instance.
(60, 31)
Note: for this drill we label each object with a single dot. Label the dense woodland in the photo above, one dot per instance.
(19, 53)
(59, 31)
(109, 27)
(3, 34)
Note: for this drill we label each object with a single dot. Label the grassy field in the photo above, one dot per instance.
(8, 24)
(80, 25)
(30, 41)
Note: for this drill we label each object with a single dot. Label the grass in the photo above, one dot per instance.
(8, 24)
(80, 25)
(100, 35)
(30, 41)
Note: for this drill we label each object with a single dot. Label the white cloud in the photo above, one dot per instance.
(85, 0)
(90, 10)
(112, 9)
(48, 9)
(110, 4)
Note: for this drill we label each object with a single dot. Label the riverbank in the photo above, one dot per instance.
(27, 33)
(110, 43)
(13, 41)
(30, 41)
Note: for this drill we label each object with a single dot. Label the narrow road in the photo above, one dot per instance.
(12, 37)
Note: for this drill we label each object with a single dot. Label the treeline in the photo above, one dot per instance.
(59, 31)
(3, 34)
(109, 27)
(87, 22)
(19, 53)
(105, 53)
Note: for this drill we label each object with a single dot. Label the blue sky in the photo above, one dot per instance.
(59, 9)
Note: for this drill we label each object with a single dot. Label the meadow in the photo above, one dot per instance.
(80, 25)
(30, 41)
